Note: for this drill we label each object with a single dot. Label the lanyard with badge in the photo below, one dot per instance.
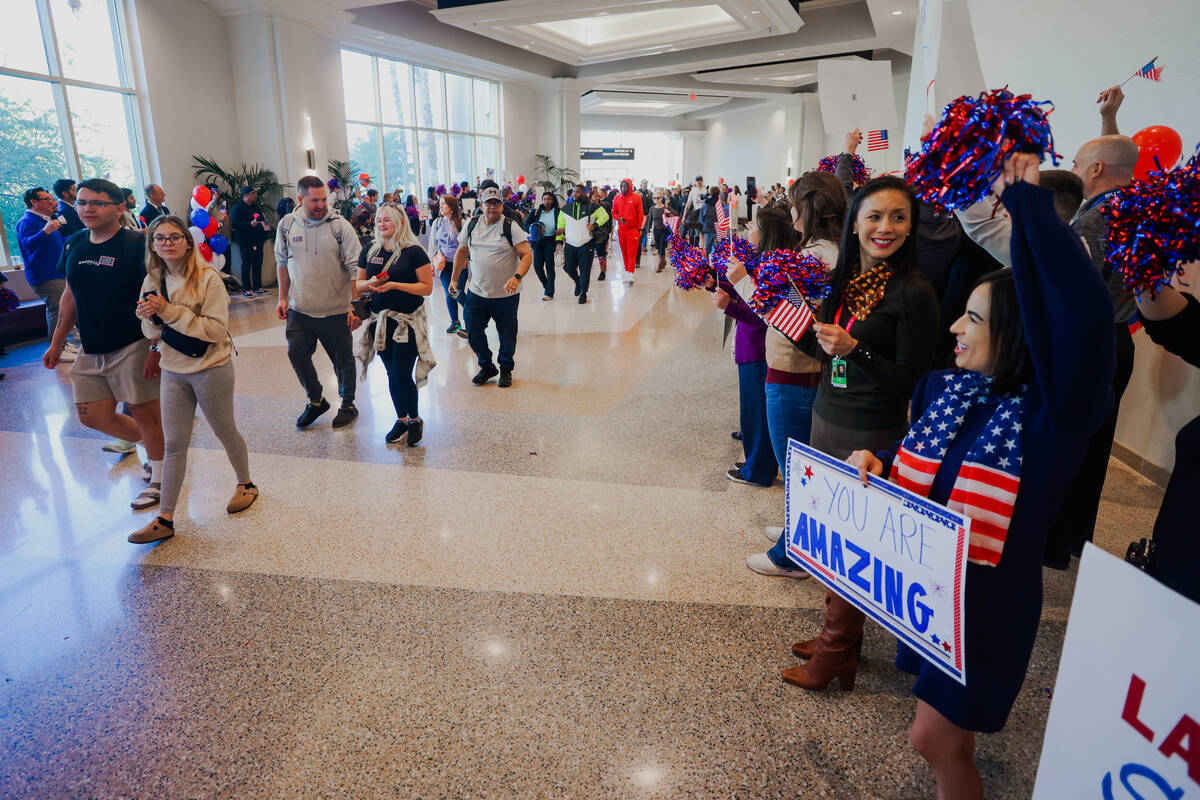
(837, 365)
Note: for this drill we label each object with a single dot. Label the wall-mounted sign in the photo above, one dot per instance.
(606, 153)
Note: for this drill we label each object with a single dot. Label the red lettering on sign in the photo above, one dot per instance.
(1186, 731)
(1133, 703)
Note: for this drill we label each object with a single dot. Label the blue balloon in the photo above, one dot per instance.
(200, 218)
(218, 243)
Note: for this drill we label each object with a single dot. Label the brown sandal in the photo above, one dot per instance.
(243, 497)
(154, 532)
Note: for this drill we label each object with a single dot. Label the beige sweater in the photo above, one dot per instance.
(205, 317)
(782, 355)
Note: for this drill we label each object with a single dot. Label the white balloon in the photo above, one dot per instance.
(218, 261)
(197, 234)
(196, 206)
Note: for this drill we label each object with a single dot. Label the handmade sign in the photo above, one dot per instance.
(898, 557)
(1123, 722)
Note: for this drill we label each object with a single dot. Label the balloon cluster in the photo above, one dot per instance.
(964, 154)
(689, 263)
(334, 184)
(1154, 227)
(778, 271)
(209, 244)
(860, 173)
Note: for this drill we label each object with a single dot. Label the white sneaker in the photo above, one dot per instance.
(629, 281)
(69, 353)
(763, 565)
(773, 532)
(120, 446)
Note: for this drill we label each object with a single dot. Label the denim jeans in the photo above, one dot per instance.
(760, 466)
(543, 263)
(477, 311)
(452, 303)
(789, 416)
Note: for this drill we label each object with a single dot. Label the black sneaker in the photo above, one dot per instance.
(452, 328)
(462, 332)
(416, 429)
(346, 415)
(398, 431)
(602, 276)
(577, 289)
(505, 378)
(485, 374)
(311, 413)
(583, 298)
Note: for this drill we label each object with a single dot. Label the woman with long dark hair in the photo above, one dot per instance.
(875, 339)
(772, 230)
(1035, 358)
(443, 240)
(818, 207)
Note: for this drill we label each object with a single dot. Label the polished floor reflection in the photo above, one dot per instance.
(546, 599)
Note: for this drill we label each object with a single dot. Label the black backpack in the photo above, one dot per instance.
(506, 231)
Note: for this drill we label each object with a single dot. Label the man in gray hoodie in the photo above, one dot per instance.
(316, 253)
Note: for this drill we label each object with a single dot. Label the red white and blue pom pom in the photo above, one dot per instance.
(779, 271)
(964, 154)
(859, 173)
(1154, 227)
(744, 252)
(690, 263)
(9, 302)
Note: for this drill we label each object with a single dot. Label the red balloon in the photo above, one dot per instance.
(211, 227)
(205, 250)
(202, 195)
(520, 179)
(1157, 141)
(362, 176)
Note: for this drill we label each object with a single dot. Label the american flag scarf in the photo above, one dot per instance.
(987, 483)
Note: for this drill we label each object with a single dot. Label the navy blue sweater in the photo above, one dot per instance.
(1067, 314)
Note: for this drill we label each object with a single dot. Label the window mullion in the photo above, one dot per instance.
(63, 105)
(49, 38)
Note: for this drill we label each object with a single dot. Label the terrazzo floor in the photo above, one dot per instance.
(548, 598)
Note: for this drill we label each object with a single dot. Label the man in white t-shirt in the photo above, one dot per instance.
(696, 195)
(499, 254)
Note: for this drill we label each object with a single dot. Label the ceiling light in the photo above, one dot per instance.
(754, 12)
(602, 14)
(897, 13)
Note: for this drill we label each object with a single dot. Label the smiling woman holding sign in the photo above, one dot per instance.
(999, 439)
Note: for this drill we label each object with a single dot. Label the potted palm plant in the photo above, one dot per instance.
(230, 182)
(553, 178)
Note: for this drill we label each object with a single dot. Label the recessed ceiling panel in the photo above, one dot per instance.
(646, 103)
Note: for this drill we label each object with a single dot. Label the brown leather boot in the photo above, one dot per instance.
(834, 654)
(805, 649)
(662, 262)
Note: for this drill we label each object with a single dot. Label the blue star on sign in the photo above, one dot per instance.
(935, 639)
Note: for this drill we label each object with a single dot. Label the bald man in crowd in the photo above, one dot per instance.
(1105, 165)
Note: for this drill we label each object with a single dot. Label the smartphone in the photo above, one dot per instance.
(151, 292)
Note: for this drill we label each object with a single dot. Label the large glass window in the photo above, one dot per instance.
(413, 127)
(68, 107)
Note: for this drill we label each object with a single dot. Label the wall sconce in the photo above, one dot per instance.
(310, 152)
(312, 158)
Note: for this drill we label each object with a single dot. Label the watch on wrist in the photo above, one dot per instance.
(518, 275)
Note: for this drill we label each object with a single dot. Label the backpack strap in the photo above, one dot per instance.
(505, 231)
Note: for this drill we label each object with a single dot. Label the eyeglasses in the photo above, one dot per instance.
(174, 238)
(95, 203)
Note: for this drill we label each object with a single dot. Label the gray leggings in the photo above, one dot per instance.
(213, 389)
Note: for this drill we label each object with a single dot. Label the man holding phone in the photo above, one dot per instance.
(104, 266)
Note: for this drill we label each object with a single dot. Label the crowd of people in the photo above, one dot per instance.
(1020, 304)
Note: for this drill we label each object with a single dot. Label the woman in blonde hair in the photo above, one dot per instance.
(396, 275)
(185, 308)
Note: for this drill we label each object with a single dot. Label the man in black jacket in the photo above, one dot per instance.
(250, 231)
(155, 206)
(64, 190)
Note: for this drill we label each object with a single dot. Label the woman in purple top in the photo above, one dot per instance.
(771, 232)
(443, 242)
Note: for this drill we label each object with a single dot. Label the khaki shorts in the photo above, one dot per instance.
(116, 375)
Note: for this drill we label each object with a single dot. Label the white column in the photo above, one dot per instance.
(558, 122)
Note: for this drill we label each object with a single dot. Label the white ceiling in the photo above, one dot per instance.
(649, 57)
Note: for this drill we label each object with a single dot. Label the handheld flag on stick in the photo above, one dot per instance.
(1149, 72)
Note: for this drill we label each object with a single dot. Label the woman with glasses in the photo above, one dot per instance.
(186, 307)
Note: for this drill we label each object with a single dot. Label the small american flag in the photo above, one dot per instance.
(987, 483)
(791, 316)
(672, 223)
(722, 221)
(877, 140)
(1150, 71)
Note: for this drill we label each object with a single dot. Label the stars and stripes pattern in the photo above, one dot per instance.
(877, 140)
(990, 476)
(1150, 71)
(722, 221)
(791, 316)
(672, 223)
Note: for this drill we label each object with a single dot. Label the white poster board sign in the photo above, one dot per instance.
(898, 557)
(1125, 719)
(856, 94)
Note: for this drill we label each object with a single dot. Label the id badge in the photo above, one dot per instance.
(837, 372)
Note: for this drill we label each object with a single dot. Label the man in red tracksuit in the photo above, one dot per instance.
(627, 210)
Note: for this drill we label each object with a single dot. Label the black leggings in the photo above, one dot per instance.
(399, 358)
